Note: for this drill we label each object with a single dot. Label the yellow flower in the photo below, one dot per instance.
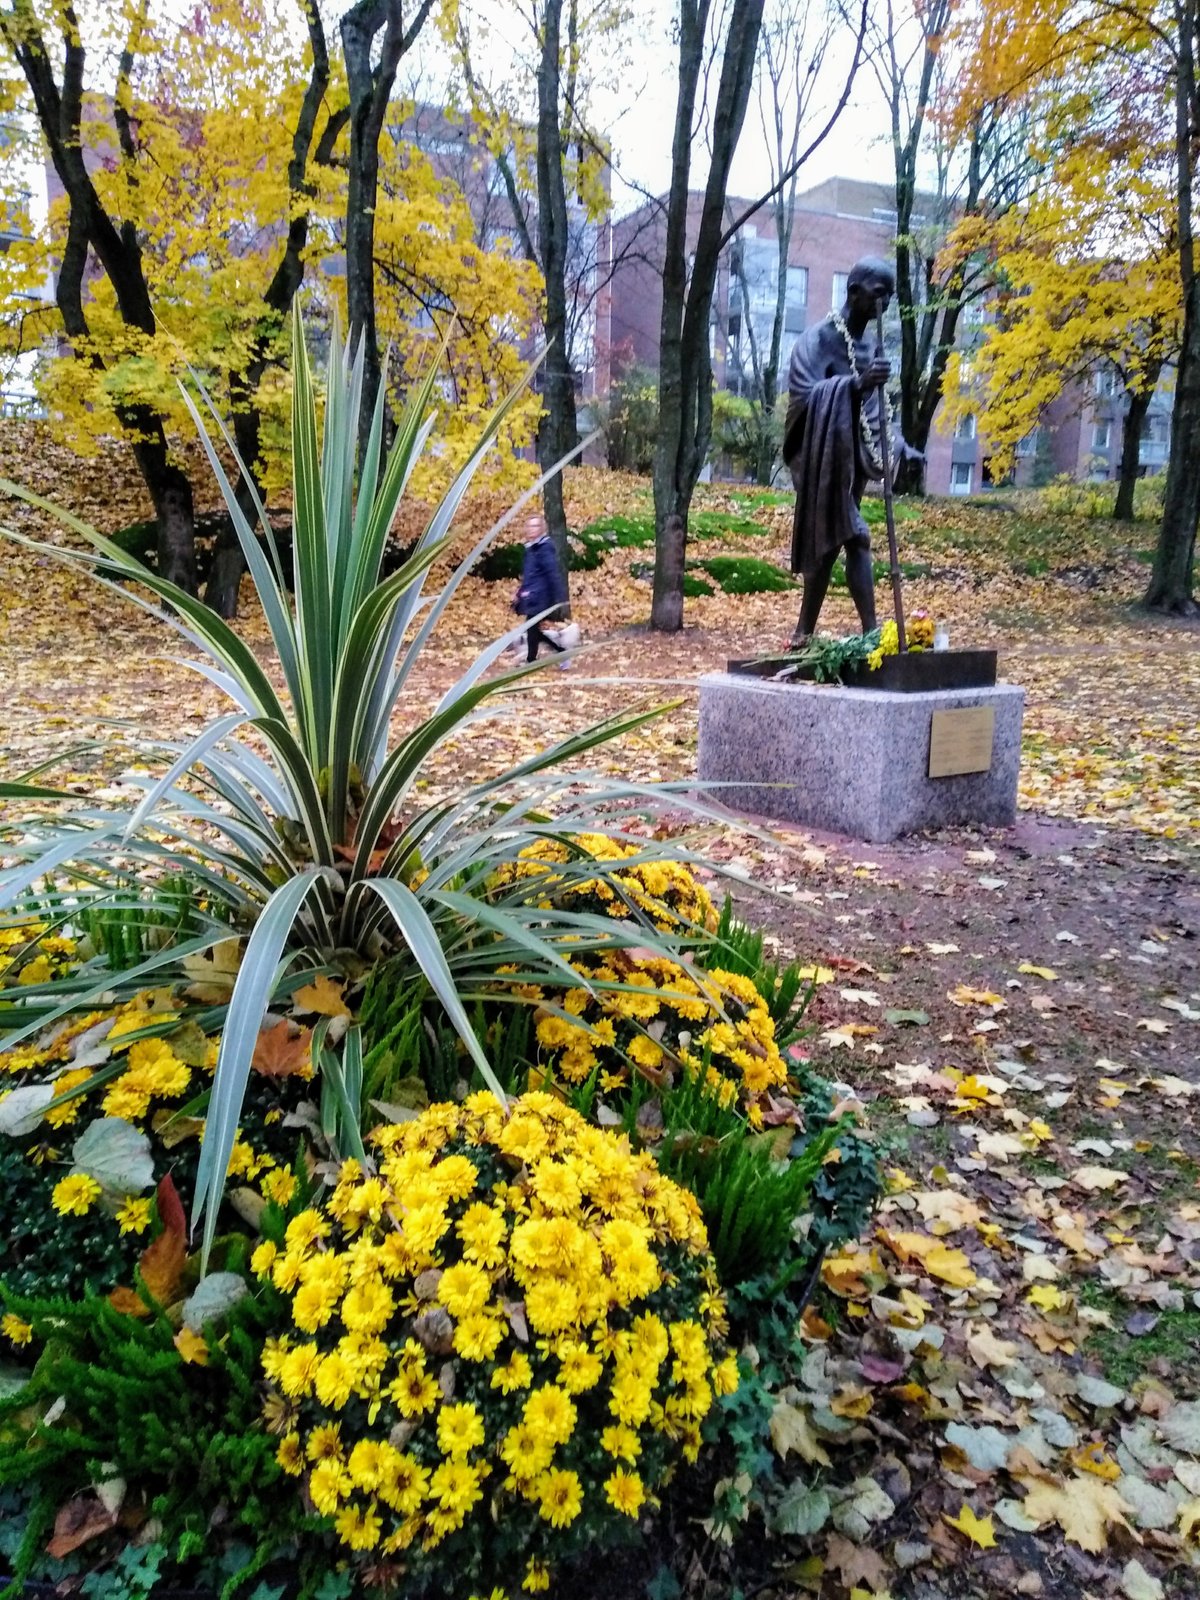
(75, 1195)
(645, 1052)
(625, 1492)
(524, 1453)
(537, 1577)
(456, 1486)
(477, 1338)
(366, 1463)
(290, 1456)
(549, 1413)
(325, 1443)
(414, 1392)
(464, 1289)
(328, 1485)
(298, 1371)
(560, 1497)
(580, 1369)
(551, 1305)
(15, 1330)
(481, 1229)
(403, 1481)
(515, 1374)
(279, 1186)
(62, 1115)
(335, 1381)
(263, 1258)
(459, 1429)
(725, 1375)
(358, 1528)
(134, 1215)
(368, 1307)
(622, 1443)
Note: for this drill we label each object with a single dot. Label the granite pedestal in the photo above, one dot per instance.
(854, 761)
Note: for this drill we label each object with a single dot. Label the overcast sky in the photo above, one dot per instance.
(637, 112)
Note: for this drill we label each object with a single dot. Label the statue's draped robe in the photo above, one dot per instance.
(823, 446)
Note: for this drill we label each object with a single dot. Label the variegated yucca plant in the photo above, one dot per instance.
(294, 813)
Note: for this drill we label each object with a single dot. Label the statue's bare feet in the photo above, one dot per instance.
(799, 640)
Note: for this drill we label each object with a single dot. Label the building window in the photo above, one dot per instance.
(1107, 382)
(840, 280)
(974, 313)
(1102, 436)
(966, 372)
(960, 477)
(1028, 445)
(964, 428)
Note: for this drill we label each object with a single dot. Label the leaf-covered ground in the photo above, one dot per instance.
(1002, 1395)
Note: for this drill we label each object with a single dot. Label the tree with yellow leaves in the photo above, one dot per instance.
(177, 237)
(1086, 269)
(1022, 50)
(201, 179)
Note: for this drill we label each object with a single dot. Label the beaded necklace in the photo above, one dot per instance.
(864, 426)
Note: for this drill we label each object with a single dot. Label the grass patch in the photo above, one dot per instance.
(881, 570)
(875, 513)
(1175, 1340)
(744, 574)
(761, 497)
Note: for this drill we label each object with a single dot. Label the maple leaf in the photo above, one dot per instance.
(279, 1052)
(1047, 1298)
(213, 975)
(965, 995)
(1084, 1507)
(938, 1259)
(324, 997)
(987, 1350)
(979, 1530)
(1048, 973)
(83, 1517)
(162, 1262)
(1094, 1458)
(1099, 1177)
(791, 1430)
(857, 1563)
(192, 1347)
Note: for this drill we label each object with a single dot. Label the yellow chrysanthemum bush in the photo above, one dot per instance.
(98, 1112)
(666, 893)
(641, 1015)
(503, 1342)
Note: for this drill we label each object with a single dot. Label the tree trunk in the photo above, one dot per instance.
(171, 493)
(910, 474)
(370, 91)
(1172, 577)
(1131, 450)
(685, 367)
(556, 428)
(224, 578)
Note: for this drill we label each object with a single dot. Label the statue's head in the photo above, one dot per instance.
(869, 283)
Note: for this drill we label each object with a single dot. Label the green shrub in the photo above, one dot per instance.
(628, 419)
(744, 574)
(110, 1398)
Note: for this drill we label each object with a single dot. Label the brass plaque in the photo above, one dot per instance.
(961, 741)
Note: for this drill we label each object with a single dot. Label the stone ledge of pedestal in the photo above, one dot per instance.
(852, 761)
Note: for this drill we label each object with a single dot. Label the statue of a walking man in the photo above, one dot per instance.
(832, 442)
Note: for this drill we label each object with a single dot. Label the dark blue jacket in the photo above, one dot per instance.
(542, 582)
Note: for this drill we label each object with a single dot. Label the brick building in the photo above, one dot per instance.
(834, 224)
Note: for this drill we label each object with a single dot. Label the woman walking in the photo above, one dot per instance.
(542, 584)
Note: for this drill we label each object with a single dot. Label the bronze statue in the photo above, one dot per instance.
(832, 442)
